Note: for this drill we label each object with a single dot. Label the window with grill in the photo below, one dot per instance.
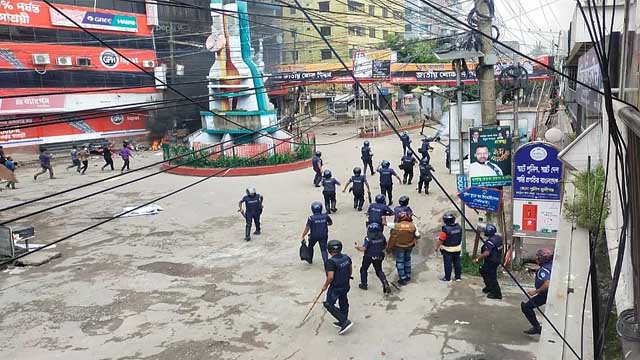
(385, 12)
(397, 15)
(325, 54)
(407, 28)
(372, 10)
(323, 6)
(325, 30)
(355, 6)
(372, 32)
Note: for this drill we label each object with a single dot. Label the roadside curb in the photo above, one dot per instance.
(369, 135)
(241, 171)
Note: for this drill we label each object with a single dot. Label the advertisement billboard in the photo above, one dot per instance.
(490, 156)
(536, 218)
(589, 73)
(39, 14)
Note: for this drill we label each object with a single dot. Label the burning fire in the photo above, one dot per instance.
(156, 145)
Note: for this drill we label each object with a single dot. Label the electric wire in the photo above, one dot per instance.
(195, 159)
(435, 179)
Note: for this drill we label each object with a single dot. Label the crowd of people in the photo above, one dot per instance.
(79, 161)
(404, 235)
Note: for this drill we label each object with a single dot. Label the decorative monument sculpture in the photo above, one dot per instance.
(236, 83)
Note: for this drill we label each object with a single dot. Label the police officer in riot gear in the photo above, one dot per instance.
(318, 227)
(491, 252)
(405, 141)
(359, 181)
(316, 163)
(386, 180)
(449, 244)
(544, 258)
(329, 191)
(425, 147)
(367, 157)
(402, 208)
(425, 175)
(377, 211)
(408, 162)
(338, 269)
(252, 210)
(373, 247)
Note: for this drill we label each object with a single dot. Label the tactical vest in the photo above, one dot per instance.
(454, 235)
(376, 245)
(341, 276)
(319, 226)
(358, 184)
(404, 235)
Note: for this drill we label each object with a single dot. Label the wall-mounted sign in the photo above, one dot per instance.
(482, 198)
(538, 172)
(95, 20)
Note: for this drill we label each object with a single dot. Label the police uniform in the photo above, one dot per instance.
(252, 212)
(318, 225)
(405, 142)
(316, 162)
(425, 177)
(489, 269)
(358, 182)
(340, 264)
(367, 158)
(376, 212)
(451, 237)
(528, 309)
(386, 182)
(424, 150)
(401, 209)
(408, 162)
(329, 193)
(375, 245)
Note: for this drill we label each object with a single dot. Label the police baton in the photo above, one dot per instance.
(315, 301)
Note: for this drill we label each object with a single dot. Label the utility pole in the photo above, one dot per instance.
(458, 65)
(487, 77)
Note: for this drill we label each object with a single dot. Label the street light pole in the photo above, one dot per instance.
(458, 66)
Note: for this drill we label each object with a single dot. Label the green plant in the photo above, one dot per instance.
(585, 208)
(468, 266)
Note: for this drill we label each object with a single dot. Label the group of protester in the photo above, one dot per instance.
(79, 160)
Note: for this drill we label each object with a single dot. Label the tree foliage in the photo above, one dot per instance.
(410, 51)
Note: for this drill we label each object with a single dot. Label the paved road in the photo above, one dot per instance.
(184, 285)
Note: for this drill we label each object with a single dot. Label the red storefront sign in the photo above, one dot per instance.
(39, 14)
(31, 103)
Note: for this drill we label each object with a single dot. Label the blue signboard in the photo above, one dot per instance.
(461, 182)
(537, 172)
(482, 198)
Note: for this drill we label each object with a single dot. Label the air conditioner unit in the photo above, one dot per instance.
(41, 59)
(148, 63)
(64, 61)
(83, 61)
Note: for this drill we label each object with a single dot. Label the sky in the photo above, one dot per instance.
(534, 21)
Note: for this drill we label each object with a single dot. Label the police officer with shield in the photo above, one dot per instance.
(318, 227)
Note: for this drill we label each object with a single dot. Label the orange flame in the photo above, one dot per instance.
(156, 145)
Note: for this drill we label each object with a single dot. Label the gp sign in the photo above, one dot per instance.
(109, 59)
(482, 198)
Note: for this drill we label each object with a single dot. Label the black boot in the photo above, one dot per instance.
(386, 289)
(247, 233)
(363, 286)
(257, 232)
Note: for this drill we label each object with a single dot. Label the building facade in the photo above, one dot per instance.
(348, 25)
(423, 22)
(50, 70)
